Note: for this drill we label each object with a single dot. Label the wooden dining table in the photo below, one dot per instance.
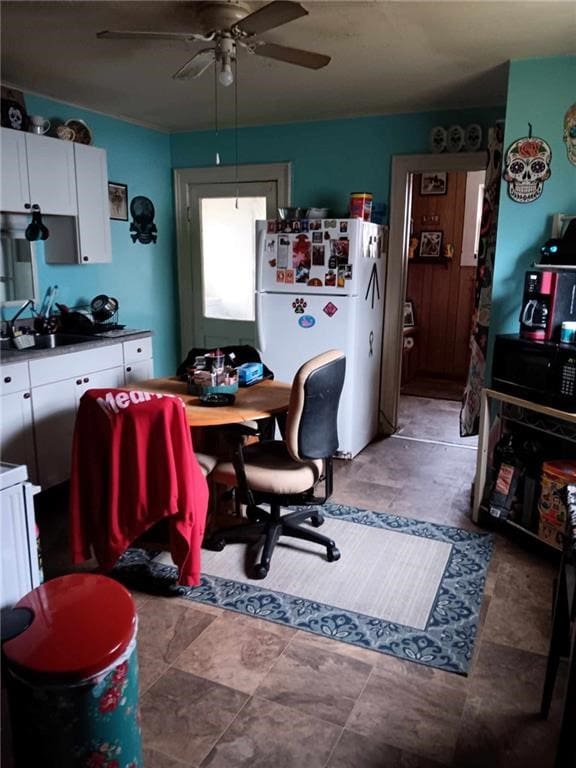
(259, 401)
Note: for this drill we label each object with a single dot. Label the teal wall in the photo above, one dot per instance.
(141, 277)
(539, 92)
(329, 159)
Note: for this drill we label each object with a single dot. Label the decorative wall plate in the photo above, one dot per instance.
(82, 134)
(455, 140)
(472, 137)
(438, 139)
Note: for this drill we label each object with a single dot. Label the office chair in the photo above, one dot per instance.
(287, 472)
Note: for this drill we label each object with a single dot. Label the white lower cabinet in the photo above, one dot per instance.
(40, 400)
(16, 426)
(55, 406)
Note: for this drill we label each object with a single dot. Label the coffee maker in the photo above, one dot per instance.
(549, 300)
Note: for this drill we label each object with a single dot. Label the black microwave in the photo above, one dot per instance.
(540, 371)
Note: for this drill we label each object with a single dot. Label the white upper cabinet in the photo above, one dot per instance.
(86, 239)
(37, 170)
(15, 191)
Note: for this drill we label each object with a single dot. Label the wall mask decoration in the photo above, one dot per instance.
(142, 227)
(526, 168)
(569, 135)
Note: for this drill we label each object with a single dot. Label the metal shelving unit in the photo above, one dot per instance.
(542, 418)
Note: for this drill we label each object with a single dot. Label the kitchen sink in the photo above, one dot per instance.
(47, 341)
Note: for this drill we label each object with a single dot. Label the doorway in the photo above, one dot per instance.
(404, 170)
(216, 212)
(445, 218)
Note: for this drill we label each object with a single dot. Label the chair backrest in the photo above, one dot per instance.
(312, 420)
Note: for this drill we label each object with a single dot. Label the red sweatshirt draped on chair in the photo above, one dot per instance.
(133, 465)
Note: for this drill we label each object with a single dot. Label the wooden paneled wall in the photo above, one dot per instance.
(442, 291)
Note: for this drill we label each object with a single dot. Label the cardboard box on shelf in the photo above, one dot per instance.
(552, 512)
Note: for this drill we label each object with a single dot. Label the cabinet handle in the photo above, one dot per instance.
(86, 380)
(139, 349)
(128, 369)
(26, 395)
(85, 258)
(78, 381)
(27, 206)
(7, 379)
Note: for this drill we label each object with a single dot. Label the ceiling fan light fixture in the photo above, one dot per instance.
(226, 76)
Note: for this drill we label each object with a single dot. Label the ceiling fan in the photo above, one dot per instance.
(228, 25)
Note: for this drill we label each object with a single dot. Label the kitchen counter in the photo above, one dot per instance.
(96, 340)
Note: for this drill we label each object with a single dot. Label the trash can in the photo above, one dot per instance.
(72, 675)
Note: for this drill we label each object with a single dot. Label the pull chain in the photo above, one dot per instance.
(216, 109)
(236, 129)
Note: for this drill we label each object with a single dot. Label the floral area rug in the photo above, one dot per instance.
(402, 587)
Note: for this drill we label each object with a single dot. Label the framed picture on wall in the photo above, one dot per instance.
(409, 321)
(433, 183)
(430, 245)
(118, 201)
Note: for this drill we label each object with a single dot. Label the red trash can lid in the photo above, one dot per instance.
(82, 623)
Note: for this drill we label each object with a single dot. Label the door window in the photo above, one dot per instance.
(228, 227)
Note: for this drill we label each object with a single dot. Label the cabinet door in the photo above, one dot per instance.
(54, 407)
(93, 207)
(138, 371)
(15, 192)
(16, 432)
(51, 175)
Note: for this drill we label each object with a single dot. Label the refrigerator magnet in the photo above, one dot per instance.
(330, 279)
(348, 272)
(315, 282)
(330, 223)
(271, 227)
(280, 275)
(341, 280)
(289, 276)
(330, 309)
(316, 237)
(306, 321)
(343, 227)
(314, 224)
(318, 255)
(270, 246)
(299, 305)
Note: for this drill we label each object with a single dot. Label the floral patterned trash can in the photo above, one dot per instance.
(73, 676)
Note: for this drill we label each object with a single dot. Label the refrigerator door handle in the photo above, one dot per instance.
(258, 318)
(260, 233)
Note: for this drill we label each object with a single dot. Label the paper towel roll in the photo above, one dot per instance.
(408, 342)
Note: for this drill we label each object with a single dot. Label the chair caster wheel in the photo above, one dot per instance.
(215, 544)
(316, 520)
(260, 571)
(332, 554)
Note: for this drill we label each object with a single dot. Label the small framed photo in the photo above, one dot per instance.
(434, 183)
(409, 321)
(118, 200)
(430, 245)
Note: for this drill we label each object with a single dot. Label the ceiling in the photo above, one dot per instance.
(387, 57)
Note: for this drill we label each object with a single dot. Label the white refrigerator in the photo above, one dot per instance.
(319, 286)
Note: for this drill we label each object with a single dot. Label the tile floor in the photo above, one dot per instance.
(221, 690)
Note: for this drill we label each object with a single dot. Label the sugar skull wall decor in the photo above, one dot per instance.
(527, 166)
(570, 133)
(142, 227)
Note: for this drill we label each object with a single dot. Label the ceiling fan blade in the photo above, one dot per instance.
(272, 15)
(291, 55)
(119, 34)
(196, 65)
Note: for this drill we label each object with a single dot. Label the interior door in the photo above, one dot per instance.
(217, 248)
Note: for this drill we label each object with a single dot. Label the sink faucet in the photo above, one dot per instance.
(11, 326)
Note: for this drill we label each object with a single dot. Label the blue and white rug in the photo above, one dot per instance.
(402, 587)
